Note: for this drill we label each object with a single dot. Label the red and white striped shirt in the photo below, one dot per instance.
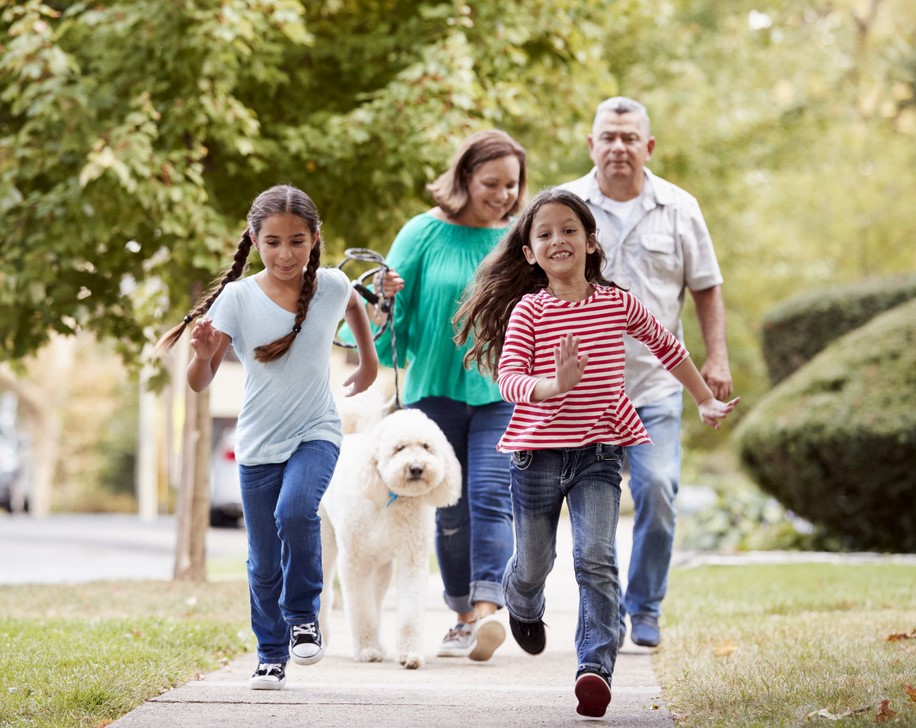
(597, 409)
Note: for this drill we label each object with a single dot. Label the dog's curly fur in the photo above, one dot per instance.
(364, 528)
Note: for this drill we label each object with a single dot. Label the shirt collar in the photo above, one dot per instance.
(653, 194)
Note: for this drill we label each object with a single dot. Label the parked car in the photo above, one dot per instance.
(225, 491)
(10, 470)
(15, 476)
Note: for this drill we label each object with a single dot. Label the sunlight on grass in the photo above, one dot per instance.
(85, 653)
(768, 645)
(227, 568)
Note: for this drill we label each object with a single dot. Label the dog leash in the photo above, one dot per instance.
(365, 255)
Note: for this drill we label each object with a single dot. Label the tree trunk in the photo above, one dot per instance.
(193, 504)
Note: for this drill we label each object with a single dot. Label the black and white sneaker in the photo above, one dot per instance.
(305, 645)
(268, 676)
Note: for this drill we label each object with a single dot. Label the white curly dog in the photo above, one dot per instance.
(380, 507)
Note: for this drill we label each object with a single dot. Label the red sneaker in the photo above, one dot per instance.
(593, 693)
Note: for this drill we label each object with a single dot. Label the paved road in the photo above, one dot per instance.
(79, 548)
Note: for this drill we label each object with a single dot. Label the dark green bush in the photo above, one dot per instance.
(802, 326)
(836, 441)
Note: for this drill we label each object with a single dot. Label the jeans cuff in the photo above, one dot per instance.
(488, 591)
(591, 667)
(459, 605)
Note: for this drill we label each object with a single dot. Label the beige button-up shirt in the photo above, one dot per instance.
(663, 249)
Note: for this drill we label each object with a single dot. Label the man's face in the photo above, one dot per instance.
(620, 146)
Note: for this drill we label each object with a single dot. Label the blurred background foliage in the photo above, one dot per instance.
(133, 136)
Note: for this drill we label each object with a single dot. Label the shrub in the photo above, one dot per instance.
(836, 441)
(743, 518)
(795, 331)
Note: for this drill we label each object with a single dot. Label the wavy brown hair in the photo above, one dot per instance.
(277, 200)
(450, 189)
(505, 275)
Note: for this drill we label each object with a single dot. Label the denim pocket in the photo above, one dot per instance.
(521, 459)
(609, 452)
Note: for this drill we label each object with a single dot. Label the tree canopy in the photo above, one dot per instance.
(134, 134)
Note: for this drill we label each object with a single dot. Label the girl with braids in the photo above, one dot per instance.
(550, 330)
(281, 323)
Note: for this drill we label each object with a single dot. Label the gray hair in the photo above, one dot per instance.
(624, 105)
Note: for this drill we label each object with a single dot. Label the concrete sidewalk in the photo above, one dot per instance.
(513, 689)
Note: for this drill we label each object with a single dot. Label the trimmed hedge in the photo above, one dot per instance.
(836, 441)
(795, 331)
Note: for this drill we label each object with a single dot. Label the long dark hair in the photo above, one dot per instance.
(505, 275)
(274, 201)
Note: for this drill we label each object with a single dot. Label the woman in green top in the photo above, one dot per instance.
(432, 260)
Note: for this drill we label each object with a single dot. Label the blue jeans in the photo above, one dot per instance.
(589, 479)
(655, 472)
(474, 536)
(280, 503)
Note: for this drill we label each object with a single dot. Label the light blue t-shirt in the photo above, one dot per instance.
(287, 401)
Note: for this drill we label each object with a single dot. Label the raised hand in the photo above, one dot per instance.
(204, 339)
(570, 366)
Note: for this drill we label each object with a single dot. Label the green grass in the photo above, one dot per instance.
(84, 655)
(769, 645)
(743, 645)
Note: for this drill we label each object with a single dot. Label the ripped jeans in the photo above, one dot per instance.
(474, 537)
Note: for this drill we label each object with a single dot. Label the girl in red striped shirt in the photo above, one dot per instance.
(549, 328)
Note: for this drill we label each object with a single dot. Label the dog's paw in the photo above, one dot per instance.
(370, 654)
(411, 660)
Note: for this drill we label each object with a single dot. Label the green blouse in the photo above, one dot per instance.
(437, 261)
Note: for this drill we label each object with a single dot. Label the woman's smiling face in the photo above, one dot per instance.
(492, 192)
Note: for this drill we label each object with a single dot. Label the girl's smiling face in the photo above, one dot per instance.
(285, 243)
(559, 244)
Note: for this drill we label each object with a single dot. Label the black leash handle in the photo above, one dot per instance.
(365, 255)
(386, 305)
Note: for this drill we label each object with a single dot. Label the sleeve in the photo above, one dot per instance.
(407, 258)
(340, 284)
(516, 361)
(644, 327)
(701, 268)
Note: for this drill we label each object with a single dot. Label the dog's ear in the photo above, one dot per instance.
(448, 491)
(369, 483)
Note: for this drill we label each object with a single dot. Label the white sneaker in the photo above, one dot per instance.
(305, 645)
(268, 676)
(490, 634)
(460, 640)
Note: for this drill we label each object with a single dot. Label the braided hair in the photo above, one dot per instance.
(274, 201)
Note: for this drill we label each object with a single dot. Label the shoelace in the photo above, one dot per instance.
(457, 632)
(310, 629)
(269, 668)
(529, 629)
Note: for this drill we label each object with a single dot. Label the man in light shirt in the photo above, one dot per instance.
(658, 246)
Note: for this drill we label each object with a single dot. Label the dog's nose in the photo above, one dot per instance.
(415, 470)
